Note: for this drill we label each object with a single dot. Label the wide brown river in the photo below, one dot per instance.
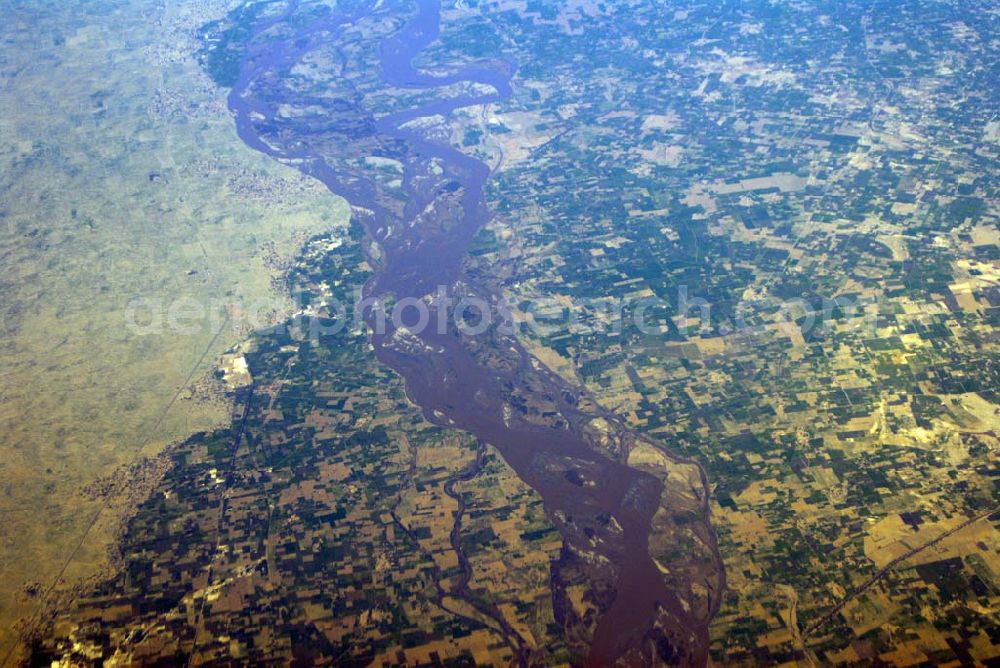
(486, 384)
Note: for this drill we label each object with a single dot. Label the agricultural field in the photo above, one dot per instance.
(731, 393)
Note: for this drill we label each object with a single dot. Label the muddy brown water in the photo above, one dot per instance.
(487, 385)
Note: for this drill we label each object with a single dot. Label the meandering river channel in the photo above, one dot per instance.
(486, 384)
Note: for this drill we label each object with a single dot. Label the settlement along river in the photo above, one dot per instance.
(326, 92)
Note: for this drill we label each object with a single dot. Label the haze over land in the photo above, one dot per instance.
(121, 179)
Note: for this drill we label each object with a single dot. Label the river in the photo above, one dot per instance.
(486, 384)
